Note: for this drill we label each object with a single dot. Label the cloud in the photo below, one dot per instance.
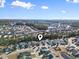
(63, 11)
(2, 2)
(44, 7)
(73, 1)
(18, 3)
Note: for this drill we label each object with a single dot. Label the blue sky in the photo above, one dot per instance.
(39, 9)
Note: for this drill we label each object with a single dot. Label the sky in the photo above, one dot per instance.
(39, 9)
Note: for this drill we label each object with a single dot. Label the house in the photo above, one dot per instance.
(22, 45)
(7, 50)
(70, 48)
(48, 56)
(75, 53)
(77, 41)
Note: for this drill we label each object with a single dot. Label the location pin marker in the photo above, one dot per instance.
(40, 36)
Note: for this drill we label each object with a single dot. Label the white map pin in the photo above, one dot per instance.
(40, 36)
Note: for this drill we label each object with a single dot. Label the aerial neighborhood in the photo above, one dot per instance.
(19, 40)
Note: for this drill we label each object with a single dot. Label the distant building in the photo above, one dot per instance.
(58, 27)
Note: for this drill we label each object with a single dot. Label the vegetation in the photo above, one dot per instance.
(6, 42)
(38, 26)
(9, 41)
